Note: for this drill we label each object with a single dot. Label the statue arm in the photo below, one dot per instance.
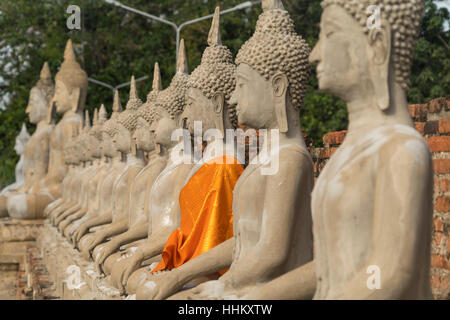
(136, 233)
(99, 220)
(216, 259)
(298, 284)
(115, 228)
(272, 250)
(154, 244)
(402, 223)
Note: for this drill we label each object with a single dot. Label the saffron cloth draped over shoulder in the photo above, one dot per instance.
(206, 213)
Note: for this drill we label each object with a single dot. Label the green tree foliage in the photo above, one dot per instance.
(113, 44)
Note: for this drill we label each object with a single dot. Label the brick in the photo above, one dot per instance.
(444, 126)
(438, 225)
(438, 261)
(441, 166)
(441, 185)
(418, 111)
(420, 126)
(431, 127)
(435, 281)
(326, 153)
(435, 105)
(334, 138)
(442, 204)
(437, 239)
(439, 144)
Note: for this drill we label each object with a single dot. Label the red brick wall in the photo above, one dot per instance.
(432, 120)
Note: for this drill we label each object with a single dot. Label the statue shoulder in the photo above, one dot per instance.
(295, 156)
(72, 125)
(407, 150)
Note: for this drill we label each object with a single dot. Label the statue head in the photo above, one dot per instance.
(85, 153)
(142, 136)
(109, 129)
(21, 140)
(210, 86)
(71, 84)
(40, 96)
(76, 147)
(354, 59)
(170, 103)
(272, 71)
(95, 134)
(126, 121)
(69, 153)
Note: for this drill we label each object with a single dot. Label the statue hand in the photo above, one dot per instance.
(131, 266)
(108, 249)
(62, 225)
(211, 290)
(79, 233)
(160, 286)
(99, 238)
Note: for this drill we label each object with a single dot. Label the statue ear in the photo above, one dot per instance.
(280, 84)
(51, 113)
(75, 99)
(133, 145)
(218, 101)
(379, 55)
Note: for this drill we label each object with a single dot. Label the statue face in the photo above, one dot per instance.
(62, 99)
(341, 54)
(37, 106)
(162, 130)
(94, 147)
(19, 147)
(84, 150)
(142, 137)
(122, 139)
(198, 108)
(108, 147)
(253, 96)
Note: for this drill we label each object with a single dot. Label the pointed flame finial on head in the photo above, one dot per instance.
(133, 91)
(87, 121)
(157, 83)
(214, 33)
(117, 106)
(182, 62)
(95, 119)
(272, 5)
(45, 72)
(69, 54)
(23, 136)
(102, 114)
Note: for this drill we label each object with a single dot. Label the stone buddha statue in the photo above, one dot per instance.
(164, 210)
(121, 131)
(104, 199)
(19, 147)
(69, 98)
(36, 152)
(272, 224)
(75, 187)
(83, 179)
(373, 202)
(137, 228)
(73, 161)
(207, 197)
(101, 165)
(90, 181)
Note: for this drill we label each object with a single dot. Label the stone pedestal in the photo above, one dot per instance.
(75, 278)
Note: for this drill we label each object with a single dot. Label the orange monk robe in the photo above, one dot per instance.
(206, 213)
